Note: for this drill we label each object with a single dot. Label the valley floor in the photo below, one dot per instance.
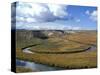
(73, 46)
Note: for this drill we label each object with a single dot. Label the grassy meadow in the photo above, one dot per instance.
(65, 50)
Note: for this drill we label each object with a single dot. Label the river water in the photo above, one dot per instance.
(35, 66)
(40, 67)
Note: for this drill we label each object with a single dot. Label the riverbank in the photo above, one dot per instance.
(36, 66)
(68, 61)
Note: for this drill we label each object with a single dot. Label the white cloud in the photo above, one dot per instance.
(41, 12)
(87, 12)
(42, 26)
(76, 28)
(58, 10)
(45, 26)
(78, 20)
(92, 15)
(19, 18)
(30, 20)
(29, 14)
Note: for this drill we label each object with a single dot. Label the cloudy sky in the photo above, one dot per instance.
(39, 16)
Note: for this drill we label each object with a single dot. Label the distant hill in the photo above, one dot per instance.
(41, 34)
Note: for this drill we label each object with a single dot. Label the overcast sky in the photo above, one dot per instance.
(39, 16)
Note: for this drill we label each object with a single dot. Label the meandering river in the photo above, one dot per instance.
(41, 67)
